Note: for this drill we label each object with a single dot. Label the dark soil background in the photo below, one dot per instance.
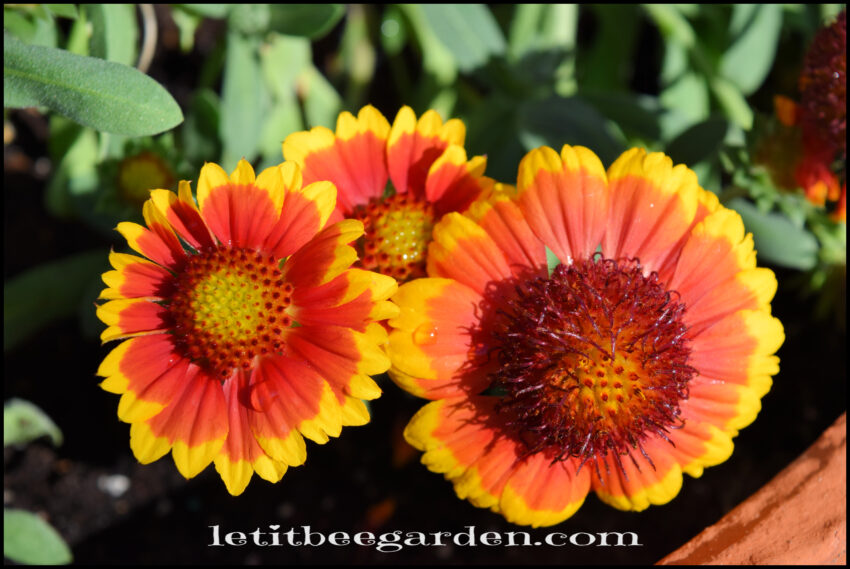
(367, 480)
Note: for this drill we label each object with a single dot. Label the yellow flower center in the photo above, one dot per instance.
(139, 174)
(229, 306)
(397, 233)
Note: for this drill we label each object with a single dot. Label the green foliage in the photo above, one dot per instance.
(23, 422)
(30, 540)
(26, 537)
(100, 94)
(46, 293)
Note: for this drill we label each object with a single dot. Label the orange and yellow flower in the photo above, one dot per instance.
(424, 162)
(805, 156)
(638, 358)
(244, 329)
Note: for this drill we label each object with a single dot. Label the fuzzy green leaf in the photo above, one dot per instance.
(30, 540)
(103, 95)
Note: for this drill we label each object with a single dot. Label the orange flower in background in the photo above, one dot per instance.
(821, 117)
(637, 359)
(424, 162)
(244, 328)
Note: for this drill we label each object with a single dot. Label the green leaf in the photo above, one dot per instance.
(698, 142)
(606, 63)
(322, 103)
(733, 102)
(437, 60)
(199, 133)
(46, 293)
(30, 540)
(638, 115)
(469, 31)
(672, 23)
(282, 60)
(215, 11)
(114, 32)
(552, 260)
(749, 59)
(63, 10)
(556, 121)
(307, 20)
(103, 95)
(778, 240)
(249, 19)
(284, 119)
(24, 422)
(243, 96)
(688, 95)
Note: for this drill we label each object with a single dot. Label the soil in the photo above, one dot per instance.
(368, 479)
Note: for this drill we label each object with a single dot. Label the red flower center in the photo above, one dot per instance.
(592, 359)
(229, 306)
(397, 231)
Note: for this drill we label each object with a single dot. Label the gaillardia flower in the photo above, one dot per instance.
(821, 117)
(428, 172)
(637, 358)
(245, 329)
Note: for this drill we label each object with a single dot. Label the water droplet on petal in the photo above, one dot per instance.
(425, 335)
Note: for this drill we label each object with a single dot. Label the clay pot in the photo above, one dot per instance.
(799, 517)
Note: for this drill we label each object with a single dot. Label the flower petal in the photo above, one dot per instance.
(652, 206)
(353, 159)
(241, 455)
(464, 440)
(131, 317)
(430, 344)
(413, 146)
(135, 277)
(305, 212)
(631, 482)
(241, 215)
(453, 183)
(543, 493)
(325, 256)
(565, 199)
(194, 424)
(183, 215)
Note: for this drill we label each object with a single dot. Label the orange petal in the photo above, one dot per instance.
(241, 455)
(132, 317)
(305, 212)
(413, 146)
(135, 277)
(453, 183)
(465, 440)
(716, 274)
(499, 215)
(183, 215)
(195, 423)
(652, 206)
(430, 346)
(565, 199)
(325, 256)
(543, 493)
(739, 348)
(462, 250)
(241, 214)
(342, 357)
(631, 482)
(353, 159)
